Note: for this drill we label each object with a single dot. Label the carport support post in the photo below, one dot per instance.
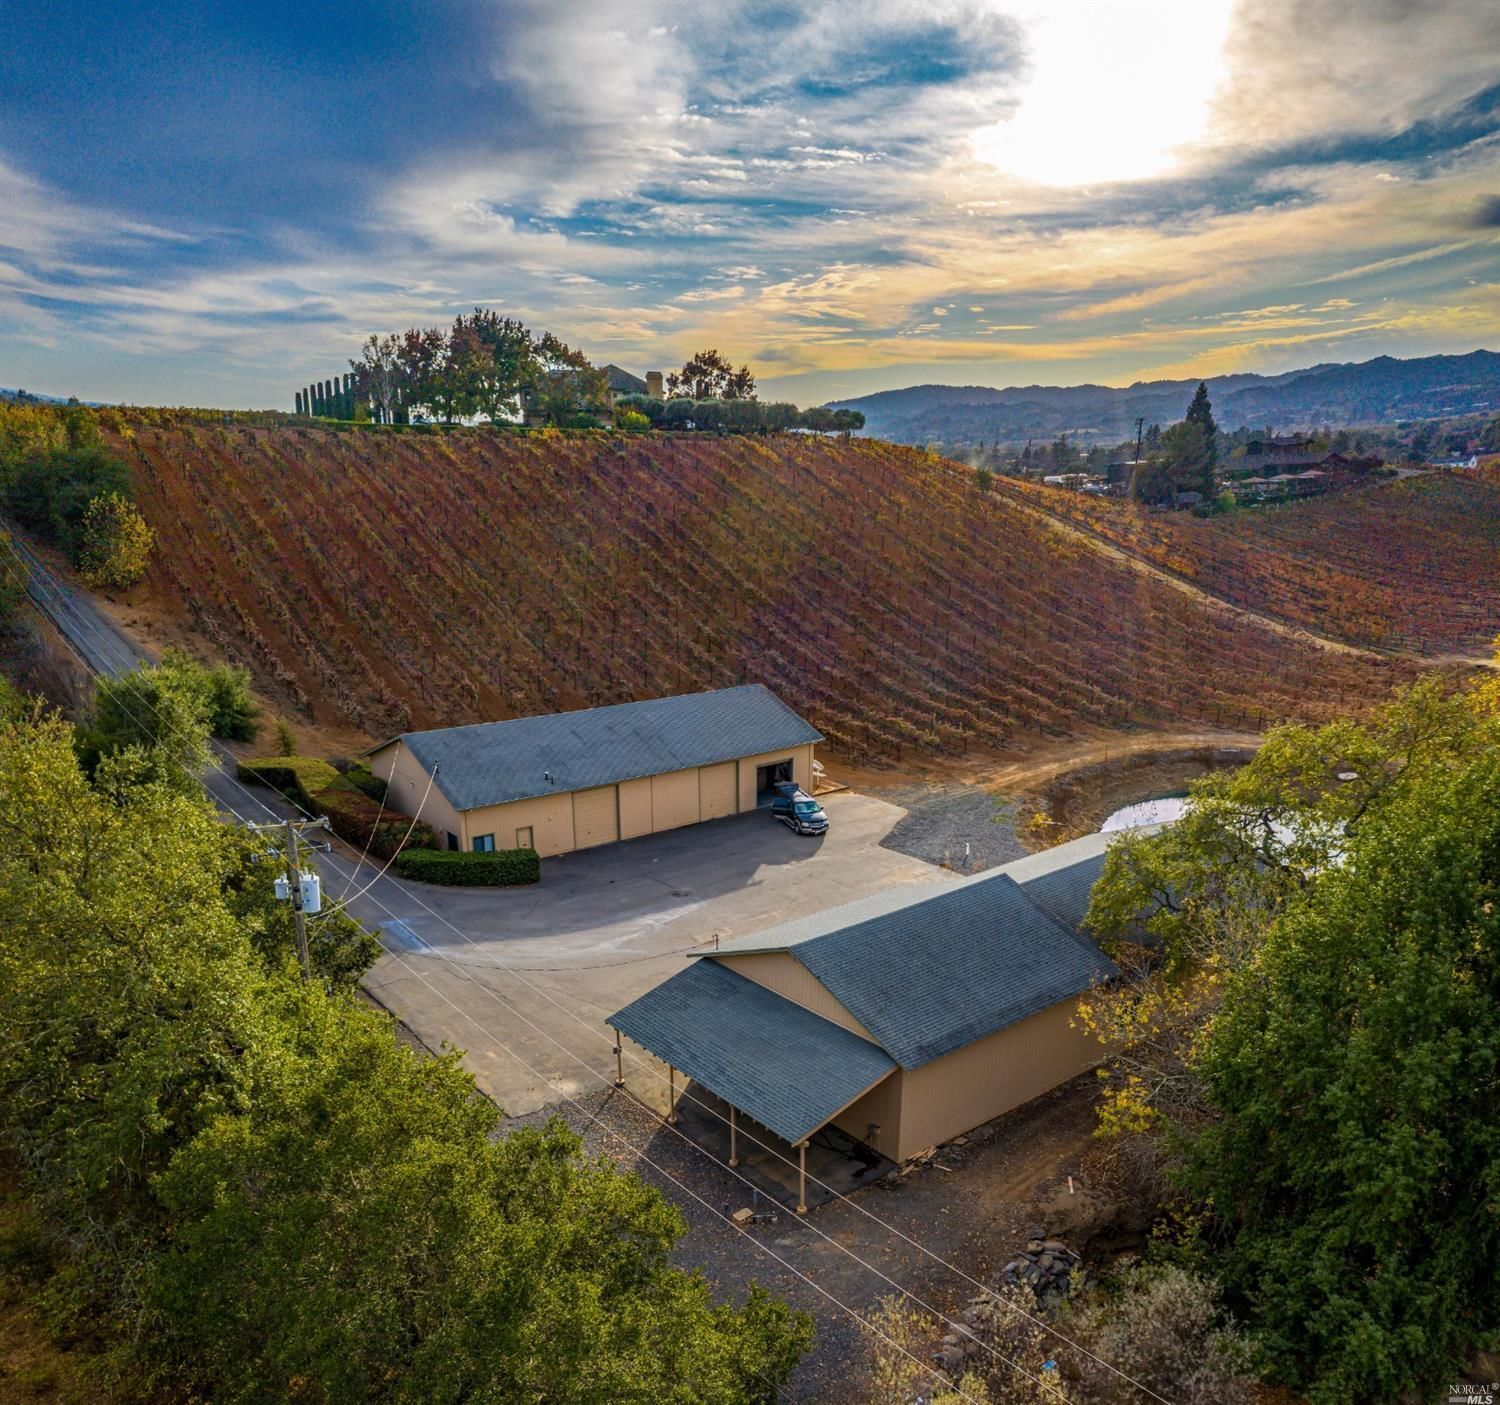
(734, 1159)
(802, 1178)
(619, 1058)
(671, 1096)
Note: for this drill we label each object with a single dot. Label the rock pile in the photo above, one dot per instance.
(1046, 1266)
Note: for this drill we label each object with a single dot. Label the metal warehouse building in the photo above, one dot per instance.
(903, 1019)
(571, 780)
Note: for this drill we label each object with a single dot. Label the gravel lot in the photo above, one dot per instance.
(943, 819)
(971, 1207)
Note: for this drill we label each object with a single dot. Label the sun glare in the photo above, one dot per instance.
(1116, 89)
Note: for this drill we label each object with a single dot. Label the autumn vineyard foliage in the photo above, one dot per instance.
(389, 581)
(1411, 565)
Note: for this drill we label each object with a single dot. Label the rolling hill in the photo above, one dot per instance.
(1411, 565)
(1370, 392)
(385, 581)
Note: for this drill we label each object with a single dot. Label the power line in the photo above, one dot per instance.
(701, 1149)
(611, 1132)
(347, 898)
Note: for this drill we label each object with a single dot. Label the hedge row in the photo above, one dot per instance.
(299, 778)
(360, 821)
(352, 813)
(502, 869)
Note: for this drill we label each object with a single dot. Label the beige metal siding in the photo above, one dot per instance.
(674, 799)
(782, 972)
(635, 808)
(942, 1099)
(407, 783)
(549, 817)
(875, 1119)
(596, 817)
(718, 791)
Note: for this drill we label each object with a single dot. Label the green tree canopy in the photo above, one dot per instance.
(1320, 1020)
(1201, 413)
(256, 1193)
(709, 376)
(1354, 1070)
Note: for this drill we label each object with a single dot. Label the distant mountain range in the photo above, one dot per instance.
(1368, 392)
(31, 397)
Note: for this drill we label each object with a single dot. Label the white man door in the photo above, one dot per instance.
(596, 817)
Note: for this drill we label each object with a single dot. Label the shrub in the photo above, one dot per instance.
(501, 869)
(50, 492)
(299, 778)
(360, 776)
(231, 709)
(114, 543)
(228, 707)
(359, 820)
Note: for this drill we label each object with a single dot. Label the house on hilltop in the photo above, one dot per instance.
(621, 382)
(904, 1019)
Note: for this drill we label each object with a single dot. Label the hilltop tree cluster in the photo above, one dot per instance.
(734, 416)
(484, 366)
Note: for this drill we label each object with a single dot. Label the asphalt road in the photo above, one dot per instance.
(522, 978)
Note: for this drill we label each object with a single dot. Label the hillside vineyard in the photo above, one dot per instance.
(1412, 565)
(407, 580)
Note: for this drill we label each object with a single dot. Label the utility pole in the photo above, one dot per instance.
(294, 882)
(1140, 429)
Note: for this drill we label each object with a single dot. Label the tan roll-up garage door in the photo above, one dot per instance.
(674, 799)
(718, 790)
(596, 817)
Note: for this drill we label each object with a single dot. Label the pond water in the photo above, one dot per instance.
(1160, 811)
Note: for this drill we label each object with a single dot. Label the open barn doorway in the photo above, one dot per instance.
(767, 778)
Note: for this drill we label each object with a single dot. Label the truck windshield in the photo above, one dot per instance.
(807, 807)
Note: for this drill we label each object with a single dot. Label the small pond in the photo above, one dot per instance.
(1160, 811)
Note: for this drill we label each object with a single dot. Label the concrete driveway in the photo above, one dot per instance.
(539, 969)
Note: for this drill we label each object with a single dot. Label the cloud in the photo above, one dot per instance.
(43, 223)
(1311, 71)
(778, 181)
(1487, 213)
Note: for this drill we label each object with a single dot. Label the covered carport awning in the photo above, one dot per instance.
(789, 1069)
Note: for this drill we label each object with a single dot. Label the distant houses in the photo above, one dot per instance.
(622, 382)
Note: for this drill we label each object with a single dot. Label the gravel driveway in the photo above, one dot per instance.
(961, 827)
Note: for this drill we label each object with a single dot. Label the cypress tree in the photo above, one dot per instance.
(1201, 413)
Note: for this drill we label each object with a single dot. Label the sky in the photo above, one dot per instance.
(215, 202)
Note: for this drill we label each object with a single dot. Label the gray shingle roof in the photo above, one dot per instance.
(490, 763)
(927, 969)
(929, 979)
(622, 382)
(789, 1069)
(1061, 880)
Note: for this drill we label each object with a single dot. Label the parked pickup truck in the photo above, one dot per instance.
(797, 810)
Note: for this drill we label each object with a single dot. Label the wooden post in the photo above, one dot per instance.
(671, 1096)
(619, 1057)
(802, 1178)
(734, 1159)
